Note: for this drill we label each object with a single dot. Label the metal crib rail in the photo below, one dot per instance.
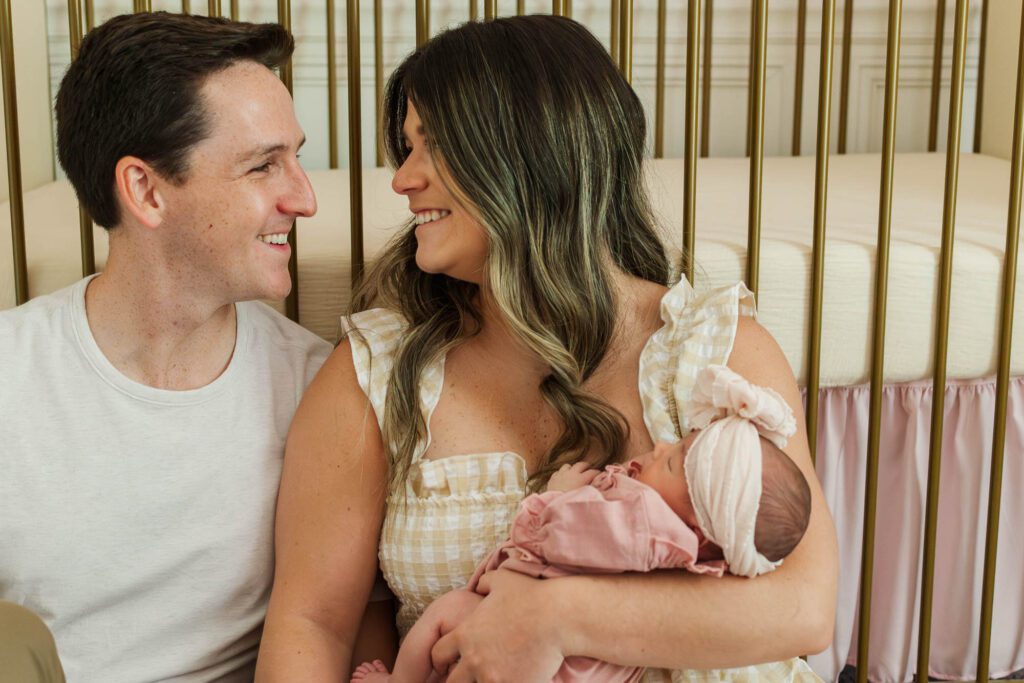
(933, 112)
(85, 227)
(1003, 372)
(798, 80)
(355, 132)
(690, 152)
(844, 87)
(759, 49)
(705, 95)
(828, 31)
(291, 304)
(13, 154)
(956, 105)
(892, 66)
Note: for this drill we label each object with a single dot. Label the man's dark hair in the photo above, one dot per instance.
(133, 90)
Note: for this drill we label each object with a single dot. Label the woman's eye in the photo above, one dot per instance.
(262, 168)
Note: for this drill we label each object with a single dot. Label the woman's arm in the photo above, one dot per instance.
(329, 514)
(666, 619)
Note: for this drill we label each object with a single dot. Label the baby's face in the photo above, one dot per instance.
(662, 470)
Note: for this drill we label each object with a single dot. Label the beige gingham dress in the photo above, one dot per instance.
(454, 511)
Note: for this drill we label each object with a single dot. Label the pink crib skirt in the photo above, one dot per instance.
(960, 548)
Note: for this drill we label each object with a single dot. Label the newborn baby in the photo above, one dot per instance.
(724, 497)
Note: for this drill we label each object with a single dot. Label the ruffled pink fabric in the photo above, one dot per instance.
(616, 524)
(960, 534)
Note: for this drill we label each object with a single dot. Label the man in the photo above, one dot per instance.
(144, 411)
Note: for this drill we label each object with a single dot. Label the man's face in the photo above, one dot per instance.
(244, 188)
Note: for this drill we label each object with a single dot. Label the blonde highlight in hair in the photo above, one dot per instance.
(530, 121)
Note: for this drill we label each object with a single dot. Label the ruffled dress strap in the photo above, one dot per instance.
(376, 335)
(698, 330)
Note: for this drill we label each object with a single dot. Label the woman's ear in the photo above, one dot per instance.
(138, 191)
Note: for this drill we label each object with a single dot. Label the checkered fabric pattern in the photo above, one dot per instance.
(454, 511)
(698, 331)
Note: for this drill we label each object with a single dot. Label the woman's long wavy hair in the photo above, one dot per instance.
(532, 124)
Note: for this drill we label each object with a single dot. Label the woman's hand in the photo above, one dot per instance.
(507, 638)
(571, 477)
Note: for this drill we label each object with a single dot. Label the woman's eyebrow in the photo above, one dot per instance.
(419, 131)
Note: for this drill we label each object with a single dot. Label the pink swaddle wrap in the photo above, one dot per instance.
(616, 524)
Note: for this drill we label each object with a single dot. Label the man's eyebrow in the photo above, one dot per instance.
(267, 150)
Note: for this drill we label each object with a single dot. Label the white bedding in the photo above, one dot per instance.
(324, 263)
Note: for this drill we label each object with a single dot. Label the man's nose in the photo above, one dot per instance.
(299, 200)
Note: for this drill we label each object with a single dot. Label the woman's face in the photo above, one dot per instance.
(449, 240)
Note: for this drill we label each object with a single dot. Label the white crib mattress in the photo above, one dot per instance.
(783, 299)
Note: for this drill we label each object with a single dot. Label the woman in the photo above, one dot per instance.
(522, 322)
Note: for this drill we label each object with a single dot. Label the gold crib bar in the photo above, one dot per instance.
(143, 6)
(757, 145)
(355, 132)
(568, 8)
(828, 33)
(90, 15)
(690, 170)
(980, 95)
(659, 87)
(892, 77)
(1003, 372)
(234, 10)
(13, 154)
(520, 7)
(332, 88)
(558, 8)
(84, 220)
(474, 10)
(186, 7)
(933, 116)
(378, 77)
(705, 96)
(956, 111)
(626, 39)
(422, 21)
(214, 8)
(491, 9)
(750, 76)
(291, 304)
(613, 42)
(844, 79)
(798, 89)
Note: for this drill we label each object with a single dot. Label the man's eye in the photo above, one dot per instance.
(262, 168)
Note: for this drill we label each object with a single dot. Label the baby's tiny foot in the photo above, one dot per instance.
(370, 672)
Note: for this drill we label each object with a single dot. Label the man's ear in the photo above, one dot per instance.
(139, 190)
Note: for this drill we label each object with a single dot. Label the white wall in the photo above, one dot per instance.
(31, 77)
(729, 71)
(1000, 77)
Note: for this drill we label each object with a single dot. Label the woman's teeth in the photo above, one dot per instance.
(279, 238)
(429, 216)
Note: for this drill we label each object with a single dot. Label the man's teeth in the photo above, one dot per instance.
(428, 216)
(279, 238)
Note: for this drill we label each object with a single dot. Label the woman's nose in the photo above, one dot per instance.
(409, 177)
